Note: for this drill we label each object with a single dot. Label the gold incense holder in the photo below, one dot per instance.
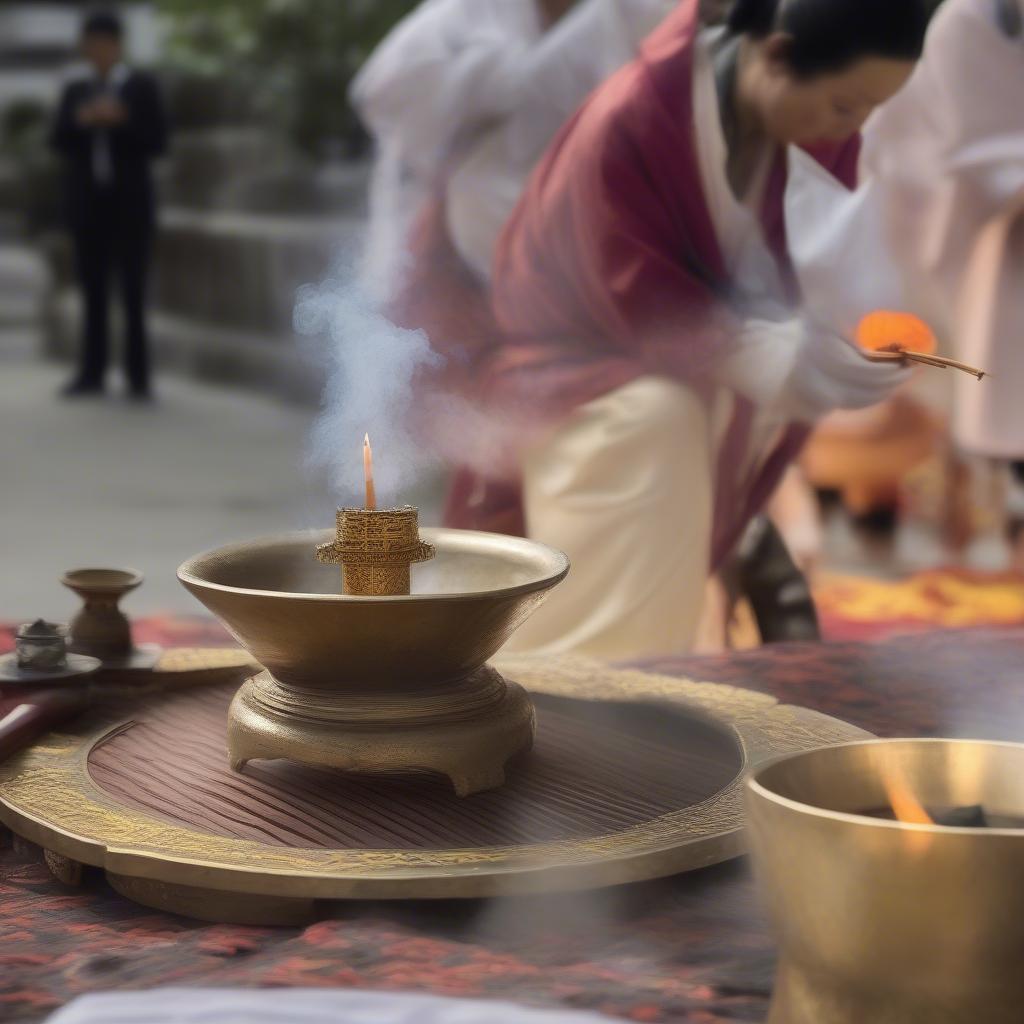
(376, 549)
(381, 684)
(885, 922)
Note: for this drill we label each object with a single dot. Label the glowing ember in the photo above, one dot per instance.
(896, 332)
(902, 336)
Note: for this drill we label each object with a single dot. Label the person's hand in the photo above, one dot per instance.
(109, 111)
(87, 115)
(102, 112)
(831, 373)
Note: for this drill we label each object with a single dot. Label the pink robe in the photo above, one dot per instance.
(610, 270)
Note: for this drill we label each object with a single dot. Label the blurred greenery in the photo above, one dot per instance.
(292, 59)
(32, 188)
(24, 128)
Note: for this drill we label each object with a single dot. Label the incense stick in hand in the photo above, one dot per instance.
(942, 362)
(886, 335)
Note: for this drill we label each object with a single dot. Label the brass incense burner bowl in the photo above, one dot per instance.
(379, 684)
(882, 921)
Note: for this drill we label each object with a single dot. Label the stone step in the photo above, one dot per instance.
(274, 364)
(25, 282)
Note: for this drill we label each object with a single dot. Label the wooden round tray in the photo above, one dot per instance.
(633, 776)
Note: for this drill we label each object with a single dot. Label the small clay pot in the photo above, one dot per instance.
(101, 629)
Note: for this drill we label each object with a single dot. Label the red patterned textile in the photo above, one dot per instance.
(692, 949)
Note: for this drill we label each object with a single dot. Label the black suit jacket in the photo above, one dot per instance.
(133, 145)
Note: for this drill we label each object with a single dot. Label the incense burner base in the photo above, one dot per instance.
(467, 730)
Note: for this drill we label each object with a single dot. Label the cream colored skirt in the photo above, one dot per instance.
(624, 487)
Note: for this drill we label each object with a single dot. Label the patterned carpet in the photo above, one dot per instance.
(691, 949)
(861, 608)
(850, 607)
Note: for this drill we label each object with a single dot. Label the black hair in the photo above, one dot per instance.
(102, 23)
(830, 35)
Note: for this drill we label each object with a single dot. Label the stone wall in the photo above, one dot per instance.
(223, 295)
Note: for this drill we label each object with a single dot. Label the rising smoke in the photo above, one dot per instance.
(370, 368)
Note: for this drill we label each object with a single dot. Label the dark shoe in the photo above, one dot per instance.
(878, 523)
(81, 389)
(763, 571)
(137, 388)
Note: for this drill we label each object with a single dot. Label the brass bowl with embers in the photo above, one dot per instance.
(889, 922)
(379, 685)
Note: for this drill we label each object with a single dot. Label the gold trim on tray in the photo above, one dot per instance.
(48, 796)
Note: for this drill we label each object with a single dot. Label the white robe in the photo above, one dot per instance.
(444, 73)
(948, 152)
(456, 73)
(589, 44)
(989, 418)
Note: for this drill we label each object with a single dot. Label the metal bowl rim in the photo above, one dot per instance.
(133, 578)
(435, 535)
(755, 788)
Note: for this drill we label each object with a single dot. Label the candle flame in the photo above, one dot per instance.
(371, 490)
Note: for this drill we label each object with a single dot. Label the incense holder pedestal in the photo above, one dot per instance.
(387, 684)
(467, 730)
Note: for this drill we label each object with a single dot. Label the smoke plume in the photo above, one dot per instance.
(370, 368)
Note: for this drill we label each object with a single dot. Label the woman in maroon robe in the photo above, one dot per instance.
(651, 359)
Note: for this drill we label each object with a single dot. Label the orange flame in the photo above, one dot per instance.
(885, 331)
(904, 803)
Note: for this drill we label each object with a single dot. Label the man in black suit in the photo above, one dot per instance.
(110, 126)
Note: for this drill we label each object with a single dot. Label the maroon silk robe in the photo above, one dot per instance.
(610, 269)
